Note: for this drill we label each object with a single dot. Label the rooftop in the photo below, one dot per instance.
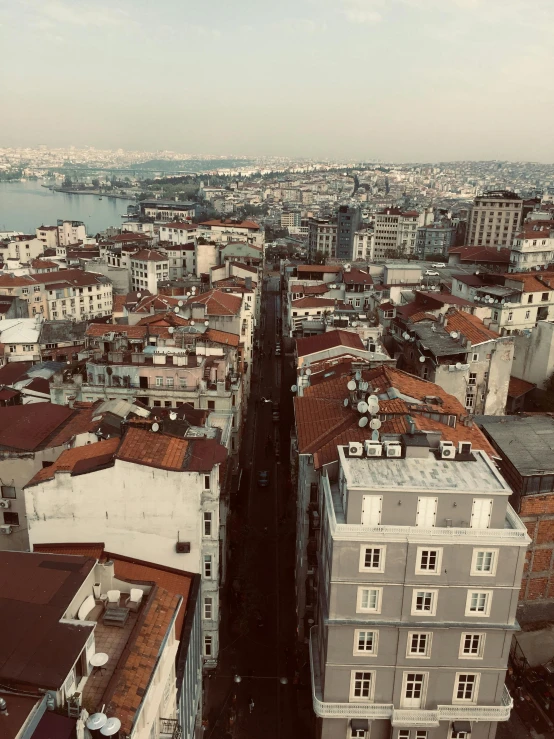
(431, 473)
(526, 440)
(149, 255)
(328, 340)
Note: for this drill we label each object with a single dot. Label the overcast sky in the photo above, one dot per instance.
(405, 80)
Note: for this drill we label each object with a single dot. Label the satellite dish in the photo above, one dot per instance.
(375, 435)
(375, 424)
(422, 359)
(358, 375)
(365, 386)
(111, 727)
(294, 389)
(458, 365)
(171, 329)
(345, 402)
(176, 309)
(96, 721)
(155, 427)
(139, 295)
(173, 415)
(405, 335)
(188, 295)
(192, 323)
(351, 385)
(454, 334)
(180, 303)
(373, 399)
(308, 371)
(362, 423)
(206, 323)
(362, 407)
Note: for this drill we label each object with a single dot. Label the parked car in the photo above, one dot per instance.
(431, 273)
(263, 478)
(438, 264)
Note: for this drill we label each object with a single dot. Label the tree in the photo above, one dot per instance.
(67, 181)
(96, 182)
(319, 257)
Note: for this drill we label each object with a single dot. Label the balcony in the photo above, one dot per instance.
(399, 716)
(170, 728)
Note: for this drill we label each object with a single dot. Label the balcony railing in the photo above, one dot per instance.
(399, 716)
(170, 728)
(515, 532)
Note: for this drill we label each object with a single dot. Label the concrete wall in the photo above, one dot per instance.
(534, 354)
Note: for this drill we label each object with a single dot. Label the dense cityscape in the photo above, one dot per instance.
(256, 417)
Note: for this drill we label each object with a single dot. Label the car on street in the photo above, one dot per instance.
(278, 349)
(438, 264)
(263, 478)
(431, 273)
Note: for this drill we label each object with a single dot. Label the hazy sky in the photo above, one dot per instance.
(389, 79)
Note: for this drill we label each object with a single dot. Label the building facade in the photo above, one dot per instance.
(348, 223)
(495, 219)
(435, 239)
(420, 560)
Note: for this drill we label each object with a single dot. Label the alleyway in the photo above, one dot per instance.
(258, 630)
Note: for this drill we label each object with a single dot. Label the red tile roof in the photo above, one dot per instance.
(101, 329)
(80, 459)
(323, 268)
(518, 387)
(222, 337)
(217, 303)
(27, 427)
(309, 289)
(233, 224)
(481, 254)
(170, 453)
(149, 255)
(181, 226)
(531, 283)
(328, 340)
(357, 277)
(312, 303)
(470, 326)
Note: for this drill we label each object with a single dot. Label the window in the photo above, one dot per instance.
(457, 734)
(207, 645)
(483, 562)
(404, 734)
(372, 558)
(169, 381)
(530, 299)
(527, 314)
(544, 297)
(208, 607)
(8, 491)
(413, 689)
(474, 357)
(472, 378)
(419, 644)
(470, 399)
(369, 600)
(428, 561)
(159, 381)
(211, 405)
(472, 646)
(424, 602)
(510, 315)
(208, 566)
(207, 482)
(13, 348)
(466, 687)
(207, 523)
(478, 602)
(356, 733)
(365, 642)
(362, 686)
(11, 518)
(421, 734)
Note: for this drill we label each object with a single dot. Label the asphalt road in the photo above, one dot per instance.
(258, 630)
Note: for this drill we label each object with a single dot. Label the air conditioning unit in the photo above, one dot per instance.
(447, 449)
(393, 449)
(355, 449)
(5, 529)
(464, 447)
(182, 547)
(4, 503)
(373, 448)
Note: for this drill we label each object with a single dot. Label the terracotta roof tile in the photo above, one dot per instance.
(150, 255)
(222, 337)
(313, 303)
(232, 224)
(328, 340)
(92, 455)
(518, 387)
(470, 326)
(217, 303)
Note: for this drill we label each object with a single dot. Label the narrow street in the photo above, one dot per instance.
(270, 698)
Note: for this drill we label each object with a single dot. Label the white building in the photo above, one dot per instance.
(533, 248)
(148, 267)
(178, 232)
(232, 229)
(149, 496)
(48, 235)
(70, 232)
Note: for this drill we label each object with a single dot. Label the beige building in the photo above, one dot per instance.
(396, 232)
(495, 219)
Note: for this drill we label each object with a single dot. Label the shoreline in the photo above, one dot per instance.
(97, 193)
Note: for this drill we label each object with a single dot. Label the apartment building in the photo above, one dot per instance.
(495, 219)
(20, 250)
(322, 237)
(48, 235)
(533, 248)
(291, 219)
(71, 232)
(172, 516)
(159, 610)
(167, 210)
(435, 239)
(420, 559)
(364, 245)
(396, 232)
(232, 229)
(348, 224)
(178, 232)
(148, 268)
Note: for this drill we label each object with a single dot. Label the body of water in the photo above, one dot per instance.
(26, 205)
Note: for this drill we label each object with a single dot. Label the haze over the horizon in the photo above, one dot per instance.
(403, 80)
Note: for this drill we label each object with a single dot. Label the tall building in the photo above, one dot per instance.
(495, 219)
(322, 236)
(420, 560)
(290, 219)
(437, 238)
(395, 232)
(348, 223)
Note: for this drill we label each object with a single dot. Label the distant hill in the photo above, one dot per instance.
(191, 165)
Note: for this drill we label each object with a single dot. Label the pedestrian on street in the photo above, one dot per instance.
(251, 705)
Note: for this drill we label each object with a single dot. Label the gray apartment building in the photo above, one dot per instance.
(348, 222)
(420, 559)
(495, 219)
(435, 239)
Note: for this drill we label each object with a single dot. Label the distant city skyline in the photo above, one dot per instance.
(396, 80)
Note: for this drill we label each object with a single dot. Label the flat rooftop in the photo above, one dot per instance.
(527, 441)
(430, 474)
